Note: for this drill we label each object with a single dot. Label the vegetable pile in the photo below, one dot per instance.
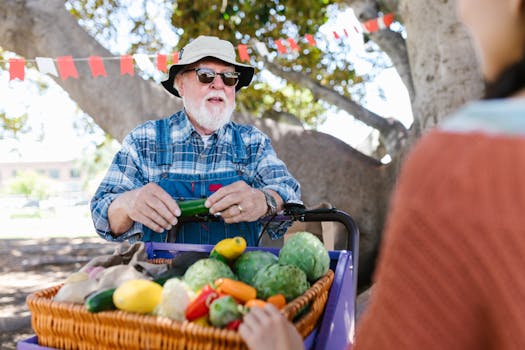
(220, 289)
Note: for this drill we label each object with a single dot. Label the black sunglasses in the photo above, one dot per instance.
(206, 76)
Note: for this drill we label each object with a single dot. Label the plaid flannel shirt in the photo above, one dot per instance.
(134, 166)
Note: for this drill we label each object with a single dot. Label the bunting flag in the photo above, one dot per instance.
(66, 64)
(261, 49)
(46, 66)
(143, 62)
(97, 66)
(280, 46)
(310, 39)
(243, 53)
(379, 23)
(162, 62)
(175, 58)
(66, 67)
(293, 44)
(16, 68)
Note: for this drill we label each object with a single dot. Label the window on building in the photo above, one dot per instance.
(54, 173)
(74, 173)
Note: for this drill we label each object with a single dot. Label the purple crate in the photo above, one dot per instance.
(31, 344)
(337, 324)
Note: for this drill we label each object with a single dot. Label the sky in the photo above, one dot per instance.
(52, 114)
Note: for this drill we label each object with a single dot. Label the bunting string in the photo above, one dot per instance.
(65, 67)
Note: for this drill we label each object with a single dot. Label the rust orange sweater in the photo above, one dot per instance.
(451, 272)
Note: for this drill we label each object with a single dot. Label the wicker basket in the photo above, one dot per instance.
(70, 326)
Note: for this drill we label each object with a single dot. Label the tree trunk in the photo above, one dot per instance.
(447, 75)
(328, 169)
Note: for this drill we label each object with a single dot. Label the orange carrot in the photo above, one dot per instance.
(278, 300)
(255, 302)
(237, 289)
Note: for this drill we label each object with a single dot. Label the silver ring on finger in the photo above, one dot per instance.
(240, 208)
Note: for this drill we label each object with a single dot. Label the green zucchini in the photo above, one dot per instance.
(193, 207)
(101, 300)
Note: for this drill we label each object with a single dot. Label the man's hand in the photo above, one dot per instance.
(239, 202)
(150, 205)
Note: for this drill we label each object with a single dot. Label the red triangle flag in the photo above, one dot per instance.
(336, 35)
(388, 19)
(293, 44)
(175, 58)
(310, 39)
(97, 66)
(371, 25)
(243, 53)
(162, 62)
(66, 67)
(126, 65)
(280, 47)
(16, 68)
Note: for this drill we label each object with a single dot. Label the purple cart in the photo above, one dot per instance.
(337, 324)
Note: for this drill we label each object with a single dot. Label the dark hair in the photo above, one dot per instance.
(509, 82)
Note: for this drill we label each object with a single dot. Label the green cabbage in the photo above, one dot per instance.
(248, 264)
(206, 271)
(307, 252)
(288, 280)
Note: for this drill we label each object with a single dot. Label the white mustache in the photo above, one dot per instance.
(216, 94)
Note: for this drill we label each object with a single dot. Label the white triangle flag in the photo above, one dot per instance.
(261, 48)
(144, 63)
(46, 65)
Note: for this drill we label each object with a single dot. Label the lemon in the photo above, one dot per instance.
(140, 296)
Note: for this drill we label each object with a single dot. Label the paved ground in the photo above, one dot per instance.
(28, 265)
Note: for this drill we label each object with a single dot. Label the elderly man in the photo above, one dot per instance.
(196, 153)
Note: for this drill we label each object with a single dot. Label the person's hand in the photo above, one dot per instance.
(150, 205)
(237, 202)
(266, 328)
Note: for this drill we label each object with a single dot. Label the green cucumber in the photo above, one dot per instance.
(193, 207)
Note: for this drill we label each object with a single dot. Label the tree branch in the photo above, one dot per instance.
(392, 132)
(390, 42)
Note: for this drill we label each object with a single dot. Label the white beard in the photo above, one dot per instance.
(209, 117)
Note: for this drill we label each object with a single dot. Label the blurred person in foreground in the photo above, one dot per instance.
(196, 153)
(451, 264)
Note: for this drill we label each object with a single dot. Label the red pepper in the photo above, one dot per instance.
(200, 306)
(234, 325)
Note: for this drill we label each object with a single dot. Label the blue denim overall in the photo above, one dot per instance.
(194, 186)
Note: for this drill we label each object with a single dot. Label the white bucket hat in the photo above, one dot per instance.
(208, 46)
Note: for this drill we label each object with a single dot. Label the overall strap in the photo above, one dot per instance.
(164, 147)
(240, 156)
